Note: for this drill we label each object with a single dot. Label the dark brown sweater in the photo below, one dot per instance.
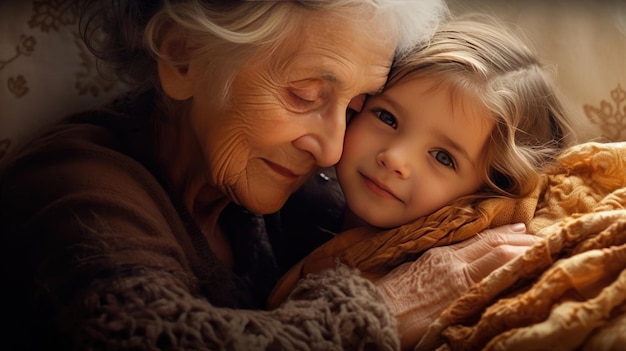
(99, 254)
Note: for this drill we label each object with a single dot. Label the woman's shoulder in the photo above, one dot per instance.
(79, 184)
(79, 147)
(106, 132)
(91, 152)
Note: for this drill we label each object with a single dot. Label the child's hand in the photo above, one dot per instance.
(418, 291)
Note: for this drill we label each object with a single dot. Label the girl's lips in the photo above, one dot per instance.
(281, 170)
(378, 189)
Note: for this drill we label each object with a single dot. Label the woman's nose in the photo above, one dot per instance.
(395, 160)
(324, 138)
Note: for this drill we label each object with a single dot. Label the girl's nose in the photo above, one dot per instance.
(395, 160)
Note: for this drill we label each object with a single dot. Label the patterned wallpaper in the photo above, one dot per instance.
(45, 69)
(609, 115)
(50, 16)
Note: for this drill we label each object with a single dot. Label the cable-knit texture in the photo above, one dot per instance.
(148, 309)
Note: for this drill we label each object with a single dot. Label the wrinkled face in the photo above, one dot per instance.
(283, 123)
(411, 150)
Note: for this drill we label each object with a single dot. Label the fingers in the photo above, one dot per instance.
(504, 229)
(496, 258)
(488, 240)
(486, 243)
(493, 248)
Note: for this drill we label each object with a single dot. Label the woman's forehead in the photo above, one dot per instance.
(340, 58)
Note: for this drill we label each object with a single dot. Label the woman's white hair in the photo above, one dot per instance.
(415, 20)
(226, 33)
(240, 29)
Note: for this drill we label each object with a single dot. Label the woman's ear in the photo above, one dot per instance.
(176, 80)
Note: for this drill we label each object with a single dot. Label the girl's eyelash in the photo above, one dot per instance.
(449, 158)
(391, 120)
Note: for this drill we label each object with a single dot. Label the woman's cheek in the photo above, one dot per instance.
(228, 159)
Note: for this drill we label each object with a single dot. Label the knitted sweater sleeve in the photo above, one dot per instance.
(150, 309)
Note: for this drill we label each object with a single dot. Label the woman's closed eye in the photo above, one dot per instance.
(387, 118)
(444, 158)
(304, 94)
(303, 97)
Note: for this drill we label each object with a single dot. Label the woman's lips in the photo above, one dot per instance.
(287, 173)
(378, 189)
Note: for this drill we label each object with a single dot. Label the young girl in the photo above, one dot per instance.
(472, 115)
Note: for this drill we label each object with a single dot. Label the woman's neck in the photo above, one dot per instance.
(181, 158)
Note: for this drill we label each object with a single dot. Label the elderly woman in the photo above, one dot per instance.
(137, 225)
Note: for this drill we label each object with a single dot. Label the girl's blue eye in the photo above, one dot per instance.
(387, 118)
(444, 158)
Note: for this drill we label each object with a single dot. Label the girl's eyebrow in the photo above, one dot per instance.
(396, 106)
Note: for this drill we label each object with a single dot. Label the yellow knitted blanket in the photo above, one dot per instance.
(567, 292)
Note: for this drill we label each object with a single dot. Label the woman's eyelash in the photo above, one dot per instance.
(305, 95)
(299, 99)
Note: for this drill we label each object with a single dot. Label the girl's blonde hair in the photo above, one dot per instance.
(476, 55)
(224, 34)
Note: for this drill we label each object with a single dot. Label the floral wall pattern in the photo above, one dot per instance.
(610, 116)
(45, 69)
